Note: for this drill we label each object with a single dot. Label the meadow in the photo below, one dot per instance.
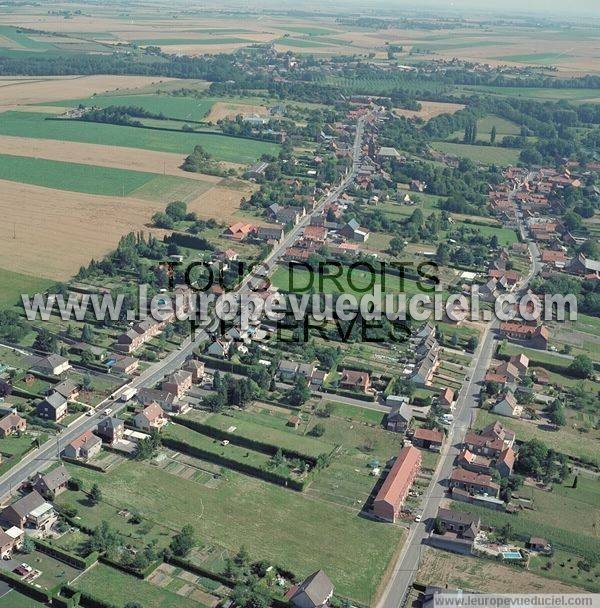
(273, 523)
(35, 125)
(172, 106)
(488, 155)
(15, 283)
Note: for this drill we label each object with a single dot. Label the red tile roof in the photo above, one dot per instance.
(399, 478)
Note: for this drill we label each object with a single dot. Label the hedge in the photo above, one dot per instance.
(85, 465)
(86, 599)
(189, 240)
(225, 365)
(25, 588)
(245, 442)
(65, 556)
(241, 467)
(351, 394)
(142, 574)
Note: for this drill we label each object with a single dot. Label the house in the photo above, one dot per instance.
(428, 439)
(86, 446)
(398, 420)
(316, 382)
(287, 370)
(388, 153)
(496, 431)
(9, 541)
(238, 231)
(536, 543)
(289, 215)
(582, 266)
(67, 388)
(151, 417)
(390, 498)
(536, 337)
(464, 525)
(317, 234)
(270, 234)
(473, 462)
(124, 364)
(11, 424)
(353, 232)
(353, 380)
(426, 367)
(110, 429)
(219, 348)
(507, 406)
(483, 445)
(196, 368)
(294, 421)
(506, 462)
(418, 186)
(51, 484)
(521, 362)
(168, 401)
(178, 383)
(475, 483)
(446, 399)
(30, 511)
(314, 592)
(53, 365)
(53, 407)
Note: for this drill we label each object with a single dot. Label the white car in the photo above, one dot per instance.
(108, 411)
(418, 518)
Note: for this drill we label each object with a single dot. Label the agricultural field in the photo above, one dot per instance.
(14, 284)
(488, 155)
(35, 125)
(430, 109)
(269, 516)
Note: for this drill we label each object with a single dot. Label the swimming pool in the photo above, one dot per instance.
(512, 555)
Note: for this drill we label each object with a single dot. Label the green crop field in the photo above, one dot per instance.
(172, 106)
(14, 284)
(22, 39)
(284, 527)
(74, 177)
(489, 155)
(543, 58)
(232, 149)
(573, 95)
(309, 30)
(300, 42)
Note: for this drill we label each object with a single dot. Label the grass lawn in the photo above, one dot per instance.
(485, 125)
(505, 236)
(14, 284)
(567, 440)
(284, 527)
(292, 440)
(12, 449)
(232, 149)
(564, 567)
(118, 588)
(488, 155)
(54, 572)
(14, 599)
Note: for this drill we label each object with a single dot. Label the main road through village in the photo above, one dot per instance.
(42, 457)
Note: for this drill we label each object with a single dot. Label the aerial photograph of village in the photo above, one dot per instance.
(299, 303)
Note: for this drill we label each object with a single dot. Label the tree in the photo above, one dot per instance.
(133, 605)
(5, 388)
(86, 333)
(176, 211)
(556, 413)
(581, 367)
(45, 341)
(396, 245)
(472, 344)
(575, 481)
(87, 382)
(493, 135)
(299, 394)
(183, 542)
(318, 430)
(162, 220)
(95, 495)
(75, 484)
(28, 545)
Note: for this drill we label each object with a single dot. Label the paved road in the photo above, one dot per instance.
(48, 453)
(465, 411)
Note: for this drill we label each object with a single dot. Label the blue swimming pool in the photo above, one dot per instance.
(512, 555)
